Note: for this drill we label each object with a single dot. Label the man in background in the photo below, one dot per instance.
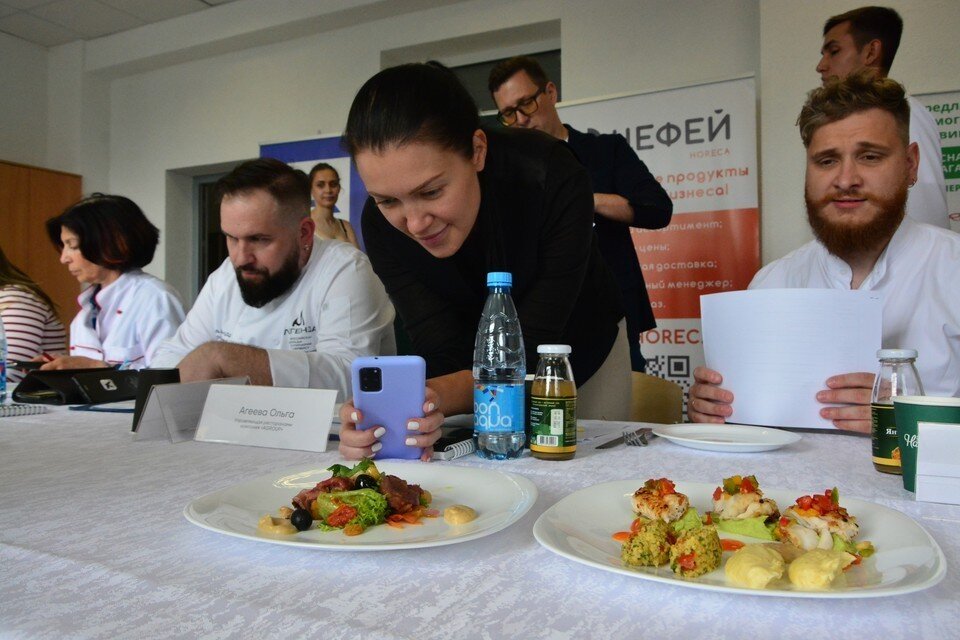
(625, 193)
(285, 308)
(868, 38)
(860, 164)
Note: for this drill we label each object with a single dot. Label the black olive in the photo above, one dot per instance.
(301, 519)
(364, 481)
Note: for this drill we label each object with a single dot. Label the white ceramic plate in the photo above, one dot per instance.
(733, 438)
(499, 498)
(580, 526)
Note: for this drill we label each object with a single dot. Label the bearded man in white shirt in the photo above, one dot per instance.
(860, 165)
(286, 308)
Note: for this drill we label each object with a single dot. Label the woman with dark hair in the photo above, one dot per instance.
(124, 313)
(29, 318)
(451, 201)
(325, 190)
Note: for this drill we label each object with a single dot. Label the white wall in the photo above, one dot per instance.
(790, 37)
(23, 116)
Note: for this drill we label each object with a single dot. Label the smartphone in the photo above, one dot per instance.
(389, 391)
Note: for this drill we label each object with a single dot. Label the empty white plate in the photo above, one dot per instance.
(734, 438)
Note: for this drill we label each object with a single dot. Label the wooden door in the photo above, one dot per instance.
(28, 197)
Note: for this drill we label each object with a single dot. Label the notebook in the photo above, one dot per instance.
(14, 410)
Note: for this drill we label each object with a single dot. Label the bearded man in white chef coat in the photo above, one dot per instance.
(860, 167)
(286, 308)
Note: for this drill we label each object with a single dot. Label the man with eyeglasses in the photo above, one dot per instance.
(625, 193)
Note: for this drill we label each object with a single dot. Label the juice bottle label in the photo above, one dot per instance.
(886, 447)
(553, 424)
(498, 407)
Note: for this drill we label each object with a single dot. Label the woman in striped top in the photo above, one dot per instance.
(29, 318)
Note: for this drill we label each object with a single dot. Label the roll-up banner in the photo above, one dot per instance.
(701, 144)
(945, 109)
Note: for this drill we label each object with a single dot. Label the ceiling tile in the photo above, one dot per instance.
(157, 10)
(33, 29)
(89, 18)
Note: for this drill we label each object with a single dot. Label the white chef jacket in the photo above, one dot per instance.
(126, 321)
(336, 311)
(918, 276)
(927, 199)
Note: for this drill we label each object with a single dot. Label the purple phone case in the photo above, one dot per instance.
(399, 400)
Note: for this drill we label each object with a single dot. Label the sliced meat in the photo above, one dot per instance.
(401, 497)
(330, 485)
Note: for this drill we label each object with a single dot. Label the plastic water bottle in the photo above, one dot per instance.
(3, 365)
(499, 369)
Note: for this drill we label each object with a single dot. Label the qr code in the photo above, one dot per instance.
(675, 369)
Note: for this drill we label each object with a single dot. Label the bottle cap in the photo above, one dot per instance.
(896, 354)
(558, 349)
(499, 279)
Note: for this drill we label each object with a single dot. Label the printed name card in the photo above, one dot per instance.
(276, 417)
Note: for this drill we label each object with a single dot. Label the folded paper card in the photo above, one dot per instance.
(775, 348)
(276, 417)
(173, 410)
(938, 467)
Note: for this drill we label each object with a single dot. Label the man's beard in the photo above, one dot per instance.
(848, 238)
(271, 286)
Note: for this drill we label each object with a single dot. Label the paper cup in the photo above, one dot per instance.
(908, 411)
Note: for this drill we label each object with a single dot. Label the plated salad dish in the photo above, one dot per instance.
(397, 506)
(353, 499)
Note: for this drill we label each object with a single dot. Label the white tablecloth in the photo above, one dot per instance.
(93, 544)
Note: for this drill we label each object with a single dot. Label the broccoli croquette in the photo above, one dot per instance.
(648, 545)
(696, 552)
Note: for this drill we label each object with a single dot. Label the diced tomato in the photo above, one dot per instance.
(688, 562)
(731, 545)
(341, 516)
(805, 502)
(717, 493)
(746, 486)
(621, 536)
(784, 522)
(709, 517)
(667, 487)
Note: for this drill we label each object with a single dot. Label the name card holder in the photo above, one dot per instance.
(275, 417)
(172, 411)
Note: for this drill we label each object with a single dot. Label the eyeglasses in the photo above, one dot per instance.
(527, 106)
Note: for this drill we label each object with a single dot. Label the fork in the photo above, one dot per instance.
(637, 438)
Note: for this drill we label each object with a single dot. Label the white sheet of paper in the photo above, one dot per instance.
(276, 417)
(173, 410)
(776, 348)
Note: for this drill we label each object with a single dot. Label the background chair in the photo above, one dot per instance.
(657, 400)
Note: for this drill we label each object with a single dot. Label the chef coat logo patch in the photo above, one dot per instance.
(300, 336)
